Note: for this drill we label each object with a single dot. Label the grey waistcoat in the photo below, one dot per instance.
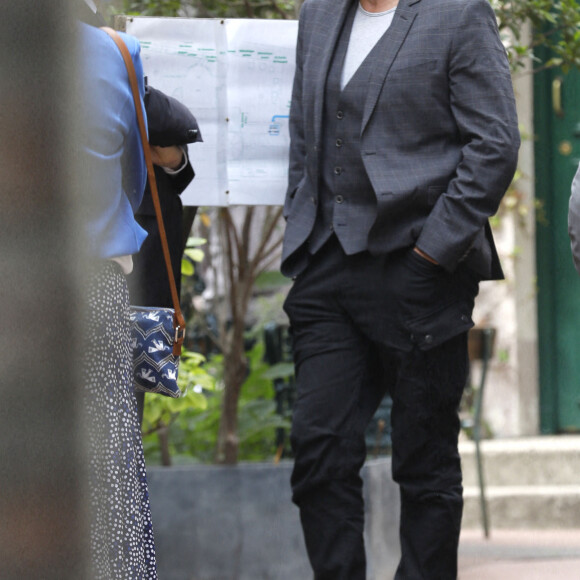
(347, 202)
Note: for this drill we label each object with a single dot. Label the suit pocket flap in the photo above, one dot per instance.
(413, 67)
(439, 326)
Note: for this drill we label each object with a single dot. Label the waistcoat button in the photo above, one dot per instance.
(339, 199)
(339, 115)
(339, 142)
(337, 170)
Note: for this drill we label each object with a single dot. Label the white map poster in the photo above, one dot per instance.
(236, 78)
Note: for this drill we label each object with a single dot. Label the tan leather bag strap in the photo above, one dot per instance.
(179, 321)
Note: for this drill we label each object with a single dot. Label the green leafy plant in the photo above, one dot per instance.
(211, 8)
(160, 412)
(190, 430)
(555, 26)
(194, 253)
(152, 7)
(257, 417)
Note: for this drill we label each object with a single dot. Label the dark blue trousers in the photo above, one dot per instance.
(362, 326)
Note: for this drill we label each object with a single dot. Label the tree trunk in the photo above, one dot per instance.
(235, 372)
(241, 268)
(163, 436)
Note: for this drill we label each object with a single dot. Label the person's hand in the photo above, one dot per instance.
(169, 157)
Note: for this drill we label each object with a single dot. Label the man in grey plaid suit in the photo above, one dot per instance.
(404, 139)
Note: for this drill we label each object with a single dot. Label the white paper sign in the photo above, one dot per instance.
(236, 78)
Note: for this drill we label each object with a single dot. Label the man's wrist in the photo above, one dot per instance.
(426, 256)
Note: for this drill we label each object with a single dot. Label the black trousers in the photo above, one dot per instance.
(362, 326)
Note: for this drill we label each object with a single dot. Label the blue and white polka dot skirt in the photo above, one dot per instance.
(121, 541)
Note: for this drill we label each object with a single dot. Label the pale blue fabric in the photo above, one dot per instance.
(112, 151)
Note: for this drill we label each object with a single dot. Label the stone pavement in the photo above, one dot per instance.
(520, 555)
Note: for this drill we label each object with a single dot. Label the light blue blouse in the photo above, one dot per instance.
(115, 166)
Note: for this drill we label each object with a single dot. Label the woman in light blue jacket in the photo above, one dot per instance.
(121, 541)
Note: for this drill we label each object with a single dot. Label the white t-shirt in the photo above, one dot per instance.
(367, 29)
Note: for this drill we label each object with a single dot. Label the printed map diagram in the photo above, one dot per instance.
(236, 78)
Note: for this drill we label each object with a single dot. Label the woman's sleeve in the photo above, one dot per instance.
(135, 173)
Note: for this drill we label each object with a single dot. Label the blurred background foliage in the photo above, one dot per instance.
(212, 8)
(185, 430)
(555, 23)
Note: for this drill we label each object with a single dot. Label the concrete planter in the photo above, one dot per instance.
(238, 523)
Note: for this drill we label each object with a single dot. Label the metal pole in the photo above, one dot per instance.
(42, 511)
(486, 353)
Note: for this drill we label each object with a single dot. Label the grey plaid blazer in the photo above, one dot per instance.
(439, 135)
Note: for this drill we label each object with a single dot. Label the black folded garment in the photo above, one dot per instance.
(169, 121)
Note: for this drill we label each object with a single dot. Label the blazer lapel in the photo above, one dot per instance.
(331, 25)
(394, 38)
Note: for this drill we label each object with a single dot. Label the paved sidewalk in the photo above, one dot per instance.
(520, 555)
